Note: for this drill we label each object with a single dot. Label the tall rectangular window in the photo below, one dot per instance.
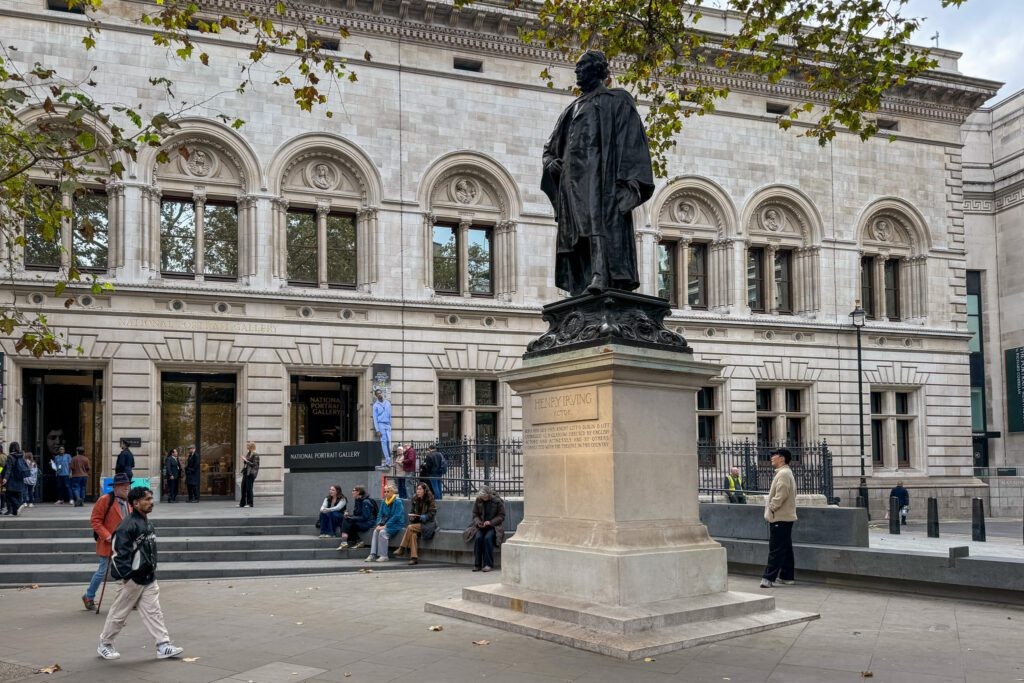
(784, 281)
(892, 428)
(755, 278)
(877, 441)
(481, 263)
(867, 285)
(42, 229)
(486, 392)
(220, 240)
(449, 392)
(302, 240)
(446, 260)
(697, 276)
(892, 289)
(667, 272)
(178, 237)
(341, 250)
(89, 231)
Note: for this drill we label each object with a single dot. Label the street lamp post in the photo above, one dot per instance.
(858, 316)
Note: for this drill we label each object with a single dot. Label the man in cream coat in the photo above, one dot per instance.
(780, 513)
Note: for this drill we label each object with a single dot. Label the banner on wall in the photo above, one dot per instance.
(382, 379)
(1015, 389)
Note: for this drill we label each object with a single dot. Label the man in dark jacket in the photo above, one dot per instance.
(125, 460)
(362, 518)
(902, 495)
(135, 569)
(14, 473)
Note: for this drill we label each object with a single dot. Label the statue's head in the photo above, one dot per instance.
(591, 70)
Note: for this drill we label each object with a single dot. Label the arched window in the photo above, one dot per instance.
(325, 215)
(893, 262)
(693, 220)
(469, 228)
(199, 218)
(781, 261)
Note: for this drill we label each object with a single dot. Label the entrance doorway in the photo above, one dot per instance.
(63, 408)
(323, 409)
(199, 410)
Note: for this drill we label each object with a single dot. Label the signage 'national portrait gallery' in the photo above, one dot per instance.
(1015, 389)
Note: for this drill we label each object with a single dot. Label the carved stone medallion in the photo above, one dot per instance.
(200, 163)
(321, 175)
(464, 190)
(686, 211)
(772, 219)
(882, 230)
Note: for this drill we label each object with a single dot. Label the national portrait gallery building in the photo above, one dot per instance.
(269, 278)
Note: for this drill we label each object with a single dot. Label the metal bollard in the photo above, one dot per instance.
(977, 519)
(933, 518)
(894, 515)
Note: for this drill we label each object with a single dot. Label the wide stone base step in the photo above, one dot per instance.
(21, 575)
(11, 550)
(626, 633)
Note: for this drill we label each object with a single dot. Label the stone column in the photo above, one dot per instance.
(428, 250)
(462, 242)
(770, 286)
(247, 243)
(199, 198)
(279, 239)
(116, 225)
(322, 209)
(879, 275)
(683, 286)
(366, 248)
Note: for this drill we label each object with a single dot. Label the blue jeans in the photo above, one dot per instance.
(385, 443)
(64, 488)
(402, 491)
(97, 578)
(78, 487)
(435, 485)
(330, 522)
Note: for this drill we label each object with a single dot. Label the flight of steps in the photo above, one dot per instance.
(55, 551)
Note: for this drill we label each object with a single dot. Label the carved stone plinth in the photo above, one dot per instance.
(611, 555)
(612, 317)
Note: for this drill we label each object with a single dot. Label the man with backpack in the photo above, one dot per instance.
(433, 468)
(107, 513)
(13, 478)
(362, 517)
(134, 567)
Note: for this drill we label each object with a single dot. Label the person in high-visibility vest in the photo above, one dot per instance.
(734, 486)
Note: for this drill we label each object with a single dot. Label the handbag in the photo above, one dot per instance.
(470, 533)
(428, 530)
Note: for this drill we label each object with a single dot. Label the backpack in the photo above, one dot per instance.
(110, 503)
(372, 502)
(442, 465)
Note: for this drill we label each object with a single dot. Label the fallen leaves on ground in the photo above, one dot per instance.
(52, 669)
(348, 674)
(29, 587)
(867, 674)
(438, 627)
(298, 623)
(190, 659)
(481, 642)
(650, 659)
(364, 570)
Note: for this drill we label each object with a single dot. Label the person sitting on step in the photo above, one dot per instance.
(390, 521)
(421, 522)
(331, 511)
(360, 518)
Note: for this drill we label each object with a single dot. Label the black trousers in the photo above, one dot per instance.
(13, 502)
(780, 552)
(193, 491)
(247, 482)
(483, 547)
(172, 490)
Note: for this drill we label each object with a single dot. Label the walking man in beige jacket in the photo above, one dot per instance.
(780, 513)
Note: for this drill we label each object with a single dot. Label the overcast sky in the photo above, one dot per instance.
(983, 31)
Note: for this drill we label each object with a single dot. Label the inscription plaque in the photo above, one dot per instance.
(567, 405)
(572, 435)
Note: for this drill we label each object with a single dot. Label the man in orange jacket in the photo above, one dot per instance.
(107, 513)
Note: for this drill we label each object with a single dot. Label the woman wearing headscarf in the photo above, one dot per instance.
(487, 530)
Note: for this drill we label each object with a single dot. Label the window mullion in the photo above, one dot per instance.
(199, 264)
(462, 249)
(322, 209)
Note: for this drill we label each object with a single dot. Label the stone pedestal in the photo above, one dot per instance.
(611, 555)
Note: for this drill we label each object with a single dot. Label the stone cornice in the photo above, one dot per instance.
(994, 202)
(491, 29)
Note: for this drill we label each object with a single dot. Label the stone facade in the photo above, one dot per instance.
(994, 208)
(418, 143)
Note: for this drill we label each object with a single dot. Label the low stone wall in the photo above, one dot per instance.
(1005, 496)
(953, 494)
(305, 491)
(822, 525)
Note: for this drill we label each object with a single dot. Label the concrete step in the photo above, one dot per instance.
(26, 520)
(49, 574)
(248, 554)
(167, 530)
(14, 547)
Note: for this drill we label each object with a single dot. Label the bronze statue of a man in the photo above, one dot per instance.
(597, 169)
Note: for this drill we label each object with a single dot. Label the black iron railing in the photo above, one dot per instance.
(811, 465)
(475, 463)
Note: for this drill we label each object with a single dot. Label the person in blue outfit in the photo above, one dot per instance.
(382, 424)
(331, 511)
(390, 521)
(61, 464)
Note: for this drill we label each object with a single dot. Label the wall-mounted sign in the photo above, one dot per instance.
(1015, 389)
(382, 379)
(132, 441)
(360, 456)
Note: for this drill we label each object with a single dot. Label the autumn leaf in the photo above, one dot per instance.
(52, 669)
(435, 628)
(481, 642)
(190, 659)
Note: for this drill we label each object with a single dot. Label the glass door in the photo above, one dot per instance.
(200, 411)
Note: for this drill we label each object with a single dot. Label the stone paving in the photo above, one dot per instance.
(914, 538)
(372, 627)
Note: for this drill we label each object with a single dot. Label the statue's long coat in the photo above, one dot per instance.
(606, 173)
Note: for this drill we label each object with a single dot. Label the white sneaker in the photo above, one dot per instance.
(108, 652)
(370, 558)
(165, 650)
(786, 582)
(23, 506)
(765, 583)
(382, 558)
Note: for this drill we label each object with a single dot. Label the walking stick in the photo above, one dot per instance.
(103, 590)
